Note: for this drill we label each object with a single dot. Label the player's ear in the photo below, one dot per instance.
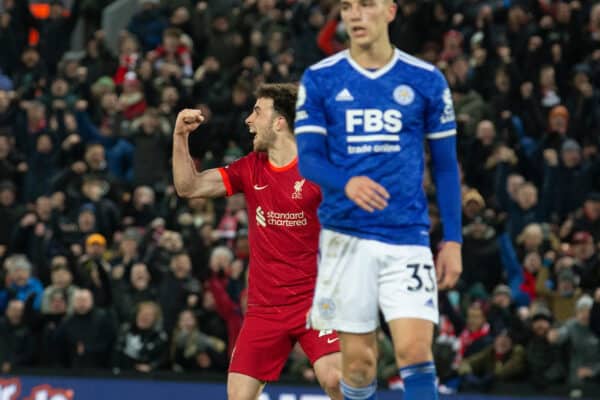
(279, 123)
(392, 8)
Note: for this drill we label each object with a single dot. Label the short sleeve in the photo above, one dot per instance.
(440, 120)
(235, 174)
(310, 112)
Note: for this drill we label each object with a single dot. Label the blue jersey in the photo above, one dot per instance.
(375, 123)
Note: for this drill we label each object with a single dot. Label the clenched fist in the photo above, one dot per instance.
(188, 120)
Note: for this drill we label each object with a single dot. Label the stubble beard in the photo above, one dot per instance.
(263, 142)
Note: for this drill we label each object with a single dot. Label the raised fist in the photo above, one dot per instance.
(188, 120)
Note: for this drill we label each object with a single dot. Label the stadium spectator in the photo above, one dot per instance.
(130, 292)
(148, 24)
(17, 344)
(583, 345)
(476, 334)
(544, 359)
(178, 289)
(92, 271)
(61, 279)
(501, 361)
(85, 338)
(20, 284)
(193, 350)
(142, 343)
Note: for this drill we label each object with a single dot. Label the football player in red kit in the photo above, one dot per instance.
(283, 234)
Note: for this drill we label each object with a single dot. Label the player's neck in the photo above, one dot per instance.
(283, 151)
(374, 56)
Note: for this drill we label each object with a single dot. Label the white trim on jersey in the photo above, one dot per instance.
(442, 134)
(372, 74)
(310, 129)
(329, 61)
(398, 55)
(407, 58)
(372, 138)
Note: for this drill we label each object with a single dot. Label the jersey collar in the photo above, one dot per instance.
(286, 167)
(372, 74)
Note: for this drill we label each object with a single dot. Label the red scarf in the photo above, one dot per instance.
(528, 285)
(467, 338)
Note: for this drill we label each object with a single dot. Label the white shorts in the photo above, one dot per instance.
(358, 276)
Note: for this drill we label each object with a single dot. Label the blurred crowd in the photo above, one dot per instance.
(103, 266)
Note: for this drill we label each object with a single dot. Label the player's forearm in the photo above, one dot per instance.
(447, 182)
(314, 163)
(184, 171)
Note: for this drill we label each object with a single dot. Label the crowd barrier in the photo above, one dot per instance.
(29, 387)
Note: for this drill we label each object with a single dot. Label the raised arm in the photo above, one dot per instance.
(189, 182)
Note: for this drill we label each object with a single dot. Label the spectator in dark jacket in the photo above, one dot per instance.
(94, 195)
(119, 152)
(502, 314)
(586, 219)
(528, 207)
(502, 361)
(93, 272)
(17, 344)
(31, 75)
(13, 164)
(10, 211)
(42, 166)
(481, 248)
(574, 178)
(142, 210)
(86, 337)
(148, 24)
(131, 292)
(21, 21)
(55, 32)
(151, 149)
(543, 358)
(142, 344)
(193, 350)
(178, 289)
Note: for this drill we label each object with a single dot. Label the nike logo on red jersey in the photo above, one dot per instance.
(256, 187)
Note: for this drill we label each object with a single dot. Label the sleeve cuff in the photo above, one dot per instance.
(226, 181)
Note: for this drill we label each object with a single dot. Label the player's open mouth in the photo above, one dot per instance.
(358, 31)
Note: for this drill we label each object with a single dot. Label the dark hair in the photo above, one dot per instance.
(284, 99)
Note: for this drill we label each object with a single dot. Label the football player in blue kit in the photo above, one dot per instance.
(362, 117)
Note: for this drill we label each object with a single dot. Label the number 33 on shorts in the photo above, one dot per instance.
(423, 277)
(398, 279)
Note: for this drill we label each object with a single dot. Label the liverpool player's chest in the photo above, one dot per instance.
(283, 192)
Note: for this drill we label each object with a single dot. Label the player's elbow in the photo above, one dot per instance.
(183, 191)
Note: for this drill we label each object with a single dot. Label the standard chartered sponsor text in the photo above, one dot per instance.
(286, 218)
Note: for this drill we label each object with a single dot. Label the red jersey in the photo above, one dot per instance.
(283, 230)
